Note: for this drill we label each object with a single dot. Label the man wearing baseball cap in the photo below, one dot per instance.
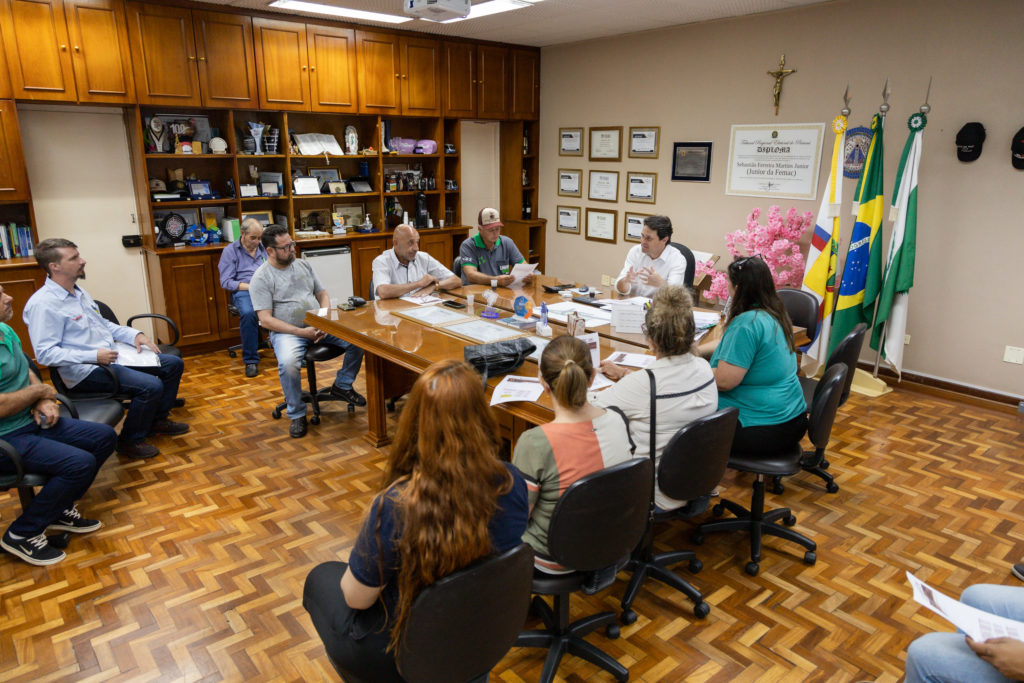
(487, 255)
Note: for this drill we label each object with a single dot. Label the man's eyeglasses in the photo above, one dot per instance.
(284, 247)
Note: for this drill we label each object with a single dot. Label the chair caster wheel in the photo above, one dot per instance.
(718, 510)
(315, 420)
(696, 566)
(824, 464)
(789, 520)
(232, 354)
(752, 568)
(628, 617)
(697, 539)
(179, 403)
(832, 487)
(612, 631)
(777, 487)
(351, 408)
(276, 414)
(810, 557)
(701, 610)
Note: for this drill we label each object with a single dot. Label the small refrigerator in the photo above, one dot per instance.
(333, 265)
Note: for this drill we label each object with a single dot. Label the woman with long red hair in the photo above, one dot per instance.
(446, 500)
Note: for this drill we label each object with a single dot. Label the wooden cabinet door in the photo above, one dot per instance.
(190, 292)
(379, 73)
(437, 245)
(36, 42)
(333, 76)
(99, 51)
(227, 70)
(363, 253)
(13, 176)
(492, 82)
(525, 84)
(282, 68)
(421, 83)
(458, 80)
(5, 74)
(163, 55)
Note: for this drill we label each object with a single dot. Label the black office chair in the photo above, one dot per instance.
(457, 265)
(104, 409)
(846, 352)
(315, 353)
(691, 466)
(235, 348)
(595, 525)
(169, 348)
(691, 263)
(802, 308)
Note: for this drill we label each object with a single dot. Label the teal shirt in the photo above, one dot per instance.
(13, 376)
(770, 392)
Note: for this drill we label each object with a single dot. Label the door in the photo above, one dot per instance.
(458, 80)
(438, 245)
(282, 69)
(99, 51)
(163, 55)
(224, 52)
(421, 68)
(36, 42)
(13, 176)
(190, 291)
(492, 82)
(363, 253)
(21, 282)
(525, 84)
(333, 80)
(379, 73)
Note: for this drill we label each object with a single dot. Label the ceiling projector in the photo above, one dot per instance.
(437, 10)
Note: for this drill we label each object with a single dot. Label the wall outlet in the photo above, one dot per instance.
(906, 340)
(607, 280)
(1014, 354)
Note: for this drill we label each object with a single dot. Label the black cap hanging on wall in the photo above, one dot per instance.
(969, 141)
(1017, 150)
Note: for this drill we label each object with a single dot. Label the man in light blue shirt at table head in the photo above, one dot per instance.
(238, 262)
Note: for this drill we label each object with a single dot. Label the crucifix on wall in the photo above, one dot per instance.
(778, 75)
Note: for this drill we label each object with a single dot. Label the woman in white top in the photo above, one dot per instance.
(684, 383)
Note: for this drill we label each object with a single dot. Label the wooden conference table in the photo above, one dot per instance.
(397, 349)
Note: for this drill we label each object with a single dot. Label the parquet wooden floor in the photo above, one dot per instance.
(198, 571)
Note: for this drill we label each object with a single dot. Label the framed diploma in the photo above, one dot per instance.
(691, 161)
(601, 225)
(775, 160)
(634, 225)
(641, 187)
(606, 143)
(569, 182)
(604, 186)
(570, 142)
(569, 219)
(643, 142)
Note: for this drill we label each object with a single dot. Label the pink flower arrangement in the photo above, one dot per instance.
(777, 243)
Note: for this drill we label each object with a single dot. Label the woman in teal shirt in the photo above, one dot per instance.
(755, 364)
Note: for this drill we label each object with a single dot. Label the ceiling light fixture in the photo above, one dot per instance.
(492, 7)
(317, 8)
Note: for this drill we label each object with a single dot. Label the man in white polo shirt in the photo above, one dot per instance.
(652, 263)
(404, 269)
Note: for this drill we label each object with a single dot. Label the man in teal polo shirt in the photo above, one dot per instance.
(487, 256)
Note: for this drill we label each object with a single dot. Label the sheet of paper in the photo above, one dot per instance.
(979, 625)
(308, 143)
(593, 342)
(516, 388)
(702, 255)
(594, 317)
(329, 144)
(631, 360)
(129, 357)
(704, 320)
(627, 319)
(434, 315)
(422, 300)
(483, 331)
(600, 382)
(520, 272)
(540, 343)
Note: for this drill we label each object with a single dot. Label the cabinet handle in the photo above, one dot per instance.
(303, 67)
(76, 49)
(191, 58)
(7, 189)
(211, 298)
(202, 59)
(64, 48)
(398, 75)
(312, 68)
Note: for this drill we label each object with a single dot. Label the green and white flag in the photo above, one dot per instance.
(894, 299)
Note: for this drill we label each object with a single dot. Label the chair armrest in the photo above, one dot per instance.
(68, 403)
(63, 390)
(170, 323)
(15, 456)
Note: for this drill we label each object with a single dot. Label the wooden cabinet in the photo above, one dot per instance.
(492, 82)
(363, 253)
(5, 75)
(525, 82)
(458, 79)
(36, 43)
(421, 82)
(333, 76)
(193, 297)
(224, 57)
(398, 74)
(282, 68)
(99, 51)
(13, 176)
(437, 245)
(20, 278)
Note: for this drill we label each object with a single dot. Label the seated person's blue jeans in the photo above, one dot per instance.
(290, 349)
(248, 327)
(153, 391)
(70, 452)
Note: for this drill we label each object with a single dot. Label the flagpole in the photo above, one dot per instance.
(883, 109)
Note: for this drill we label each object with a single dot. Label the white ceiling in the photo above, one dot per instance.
(553, 22)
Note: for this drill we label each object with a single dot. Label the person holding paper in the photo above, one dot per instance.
(487, 256)
(69, 334)
(653, 263)
(954, 657)
(238, 262)
(282, 290)
(404, 269)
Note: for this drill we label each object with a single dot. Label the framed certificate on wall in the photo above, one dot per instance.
(641, 187)
(604, 186)
(643, 142)
(606, 143)
(601, 225)
(570, 142)
(634, 225)
(569, 219)
(569, 182)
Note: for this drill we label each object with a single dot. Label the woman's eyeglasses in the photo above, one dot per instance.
(739, 263)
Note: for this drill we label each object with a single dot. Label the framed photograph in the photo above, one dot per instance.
(336, 187)
(305, 184)
(350, 214)
(211, 216)
(264, 217)
(601, 225)
(248, 190)
(641, 187)
(570, 142)
(643, 142)
(603, 186)
(691, 161)
(315, 219)
(199, 189)
(569, 219)
(633, 226)
(569, 181)
(606, 143)
(325, 174)
(268, 177)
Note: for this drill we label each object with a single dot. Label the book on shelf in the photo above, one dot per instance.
(16, 241)
(310, 144)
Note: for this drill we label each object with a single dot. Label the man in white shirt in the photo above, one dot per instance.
(404, 269)
(653, 262)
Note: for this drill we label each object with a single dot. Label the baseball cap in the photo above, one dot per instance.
(969, 141)
(1017, 150)
(488, 218)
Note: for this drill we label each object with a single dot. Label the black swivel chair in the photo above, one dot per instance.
(691, 263)
(235, 348)
(596, 523)
(102, 408)
(169, 348)
(755, 520)
(315, 353)
(691, 465)
(802, 308)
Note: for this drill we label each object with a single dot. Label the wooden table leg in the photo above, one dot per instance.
(376, 410)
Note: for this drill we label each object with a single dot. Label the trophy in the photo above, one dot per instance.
(272, 140)
(256, 130)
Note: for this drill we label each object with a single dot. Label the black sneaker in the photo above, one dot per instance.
(297, 429)
(168, 427)
(139, 450)
(36, 550)
(350, 395)
(1018, 571)
(251, 369)
(73, 521)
